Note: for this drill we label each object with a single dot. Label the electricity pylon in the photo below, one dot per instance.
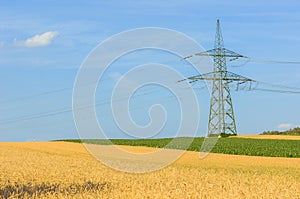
(221, 117)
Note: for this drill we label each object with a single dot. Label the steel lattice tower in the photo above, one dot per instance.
(221, 116)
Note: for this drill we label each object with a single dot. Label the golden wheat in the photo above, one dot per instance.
(66, 170)
(273, 137)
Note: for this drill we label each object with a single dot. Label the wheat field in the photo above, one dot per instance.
(274, 137)
(67, 170)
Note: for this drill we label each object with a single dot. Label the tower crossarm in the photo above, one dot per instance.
(219, 75)
(218, 52)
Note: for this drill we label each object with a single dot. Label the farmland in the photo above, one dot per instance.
(67, 170)
(273, 137)
(236, 146)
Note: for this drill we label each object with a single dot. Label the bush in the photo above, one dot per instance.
(295, 131)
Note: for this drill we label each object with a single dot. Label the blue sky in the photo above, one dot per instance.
(43, 43)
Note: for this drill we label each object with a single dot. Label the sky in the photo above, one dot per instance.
(44, 43)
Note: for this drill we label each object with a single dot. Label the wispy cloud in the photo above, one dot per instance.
(1, 43)
(286, 126)
(44, 39)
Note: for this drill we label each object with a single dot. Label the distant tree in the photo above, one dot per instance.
(295, 131)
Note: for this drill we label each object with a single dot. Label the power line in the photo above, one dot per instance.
(59, 90)
(277, 91)
(68, 110)
(246, 60)
(44, 93)
(48, 123)
(262, 60)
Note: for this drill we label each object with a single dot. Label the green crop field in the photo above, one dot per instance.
(236, 146)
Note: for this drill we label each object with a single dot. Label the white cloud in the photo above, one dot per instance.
(44, 39)
(1, 43)
(284, 126)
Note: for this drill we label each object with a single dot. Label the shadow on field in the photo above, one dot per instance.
(36, 190)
